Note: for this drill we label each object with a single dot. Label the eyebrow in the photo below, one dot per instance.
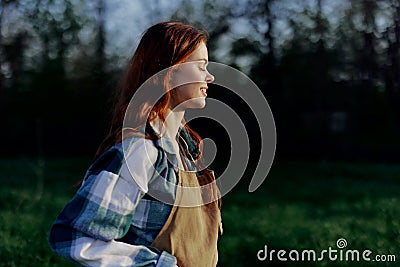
(201, 59)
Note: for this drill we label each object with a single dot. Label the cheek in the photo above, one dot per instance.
(186, 75)
(188, 91)
(188, 96)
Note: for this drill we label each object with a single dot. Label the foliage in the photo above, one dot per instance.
(329, 70)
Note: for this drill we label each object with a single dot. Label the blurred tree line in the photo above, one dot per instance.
(330, 71)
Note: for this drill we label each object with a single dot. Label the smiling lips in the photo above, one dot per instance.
(203, 90)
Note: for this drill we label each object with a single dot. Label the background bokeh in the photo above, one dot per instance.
(330, 71)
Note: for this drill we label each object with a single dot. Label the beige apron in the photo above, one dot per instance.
(191, 233)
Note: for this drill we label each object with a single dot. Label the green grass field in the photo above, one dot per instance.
(300, 206)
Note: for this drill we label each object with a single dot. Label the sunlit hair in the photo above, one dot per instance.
(163, 45)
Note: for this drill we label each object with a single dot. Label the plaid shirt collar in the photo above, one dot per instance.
(184, 138)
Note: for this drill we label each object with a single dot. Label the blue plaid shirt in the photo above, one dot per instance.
(112, 221)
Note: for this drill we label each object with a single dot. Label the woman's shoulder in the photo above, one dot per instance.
(132, 147)
(139, 147)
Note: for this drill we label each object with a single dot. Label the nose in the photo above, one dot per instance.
(209, 77)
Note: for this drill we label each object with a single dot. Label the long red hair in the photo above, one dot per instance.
(163, 45)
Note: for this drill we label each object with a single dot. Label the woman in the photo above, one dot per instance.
(147, 200)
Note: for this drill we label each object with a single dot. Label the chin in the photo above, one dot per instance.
(192, 103)
(196, 103)
(199, 102)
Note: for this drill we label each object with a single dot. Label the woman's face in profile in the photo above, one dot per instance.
(189, 81)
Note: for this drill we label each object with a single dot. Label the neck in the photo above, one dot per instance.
(173, 121)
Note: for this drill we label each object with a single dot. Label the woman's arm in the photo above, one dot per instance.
(101, 212)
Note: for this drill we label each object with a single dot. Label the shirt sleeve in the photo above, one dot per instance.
(101, 212)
